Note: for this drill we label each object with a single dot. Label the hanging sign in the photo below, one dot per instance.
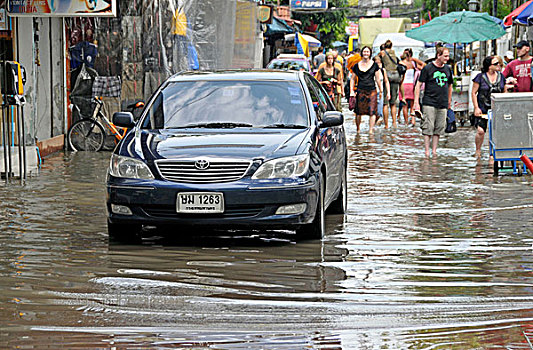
(61, 8)
(3, 20)
(264, 14)
(309, 5)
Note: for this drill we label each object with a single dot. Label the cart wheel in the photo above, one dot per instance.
(496, 168)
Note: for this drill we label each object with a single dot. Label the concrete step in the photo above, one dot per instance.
(32, 161)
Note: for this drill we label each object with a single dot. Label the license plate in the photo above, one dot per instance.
(200, 202)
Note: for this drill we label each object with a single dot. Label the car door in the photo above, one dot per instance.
(331, 142)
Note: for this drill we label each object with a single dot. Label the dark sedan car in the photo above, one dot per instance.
(230, 149)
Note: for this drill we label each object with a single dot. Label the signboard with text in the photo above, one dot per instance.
(61, 8)
(3, 20)
(264, 13)
(309, 5)
(352, 28)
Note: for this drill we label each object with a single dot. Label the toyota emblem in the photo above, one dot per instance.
(201, 164)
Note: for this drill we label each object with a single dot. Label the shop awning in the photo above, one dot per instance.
(278, 26)
(508, 20)
(313, 42)
(524, 16)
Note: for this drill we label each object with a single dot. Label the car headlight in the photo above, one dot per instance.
(130, 168)
(285, 167)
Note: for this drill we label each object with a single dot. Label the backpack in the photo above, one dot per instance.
(493, 88)
(400, 68)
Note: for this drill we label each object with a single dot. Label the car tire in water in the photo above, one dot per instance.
(317, 228)
(340, 205)
(124, 233)
(86, 135)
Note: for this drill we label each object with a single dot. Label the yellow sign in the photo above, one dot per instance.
(264, 13)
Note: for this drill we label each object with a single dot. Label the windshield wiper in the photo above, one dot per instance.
(286, 126)
(216, 126)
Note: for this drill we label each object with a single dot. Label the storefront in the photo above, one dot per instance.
(120, 50)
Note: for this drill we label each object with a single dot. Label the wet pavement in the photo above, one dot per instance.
(433, 254)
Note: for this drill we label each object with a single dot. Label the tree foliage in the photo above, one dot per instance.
(330, 24)
(432, 6)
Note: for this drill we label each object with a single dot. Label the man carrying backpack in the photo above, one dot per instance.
(390, 63)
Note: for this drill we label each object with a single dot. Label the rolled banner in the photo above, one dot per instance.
(527, 162)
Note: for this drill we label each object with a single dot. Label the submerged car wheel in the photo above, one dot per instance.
(317, 228)
(124, 232)
(340, 205)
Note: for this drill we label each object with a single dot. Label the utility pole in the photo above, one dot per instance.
(495, 14)
(443, 7)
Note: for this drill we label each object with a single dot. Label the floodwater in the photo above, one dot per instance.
(433, 254)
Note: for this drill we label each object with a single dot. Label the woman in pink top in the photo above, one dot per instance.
(407, 96)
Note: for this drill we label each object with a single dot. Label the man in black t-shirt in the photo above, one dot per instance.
(438, 80)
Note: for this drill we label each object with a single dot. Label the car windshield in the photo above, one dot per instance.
(289, 65)
(228, 104)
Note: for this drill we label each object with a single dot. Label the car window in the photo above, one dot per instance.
(289, 64)
(322, 95)
(318, 99)
(228, 103)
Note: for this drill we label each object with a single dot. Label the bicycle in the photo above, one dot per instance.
(88, 134)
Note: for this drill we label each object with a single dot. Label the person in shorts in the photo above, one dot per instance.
(390, 62)
(489, 81)
(438, 80)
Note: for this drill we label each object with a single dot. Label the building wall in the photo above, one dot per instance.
(373, 7)
(38, 47)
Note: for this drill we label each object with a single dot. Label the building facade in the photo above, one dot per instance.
(71, 57)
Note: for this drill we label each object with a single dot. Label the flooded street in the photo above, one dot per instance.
(433, 254)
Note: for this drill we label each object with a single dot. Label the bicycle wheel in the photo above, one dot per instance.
(86, 135)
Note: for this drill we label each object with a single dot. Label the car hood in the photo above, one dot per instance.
(229, 143)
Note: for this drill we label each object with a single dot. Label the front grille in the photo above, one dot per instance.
(229, 212)
(186, 171)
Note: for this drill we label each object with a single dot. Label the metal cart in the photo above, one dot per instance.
(511, 130)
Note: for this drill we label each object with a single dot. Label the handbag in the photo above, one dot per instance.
(351, 103)
(451, 125)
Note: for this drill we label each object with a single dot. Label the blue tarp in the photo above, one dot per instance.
(278, 26)
(339, 44)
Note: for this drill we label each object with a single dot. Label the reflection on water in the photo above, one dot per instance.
(434, 253)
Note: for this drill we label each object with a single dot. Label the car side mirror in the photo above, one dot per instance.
(123, 119)
(331, 118)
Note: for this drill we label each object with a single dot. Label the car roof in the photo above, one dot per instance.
(237, 74)
(291, 56)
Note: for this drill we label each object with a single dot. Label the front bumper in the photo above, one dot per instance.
(248, 204)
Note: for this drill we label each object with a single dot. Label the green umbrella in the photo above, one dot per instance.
(458, 27)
